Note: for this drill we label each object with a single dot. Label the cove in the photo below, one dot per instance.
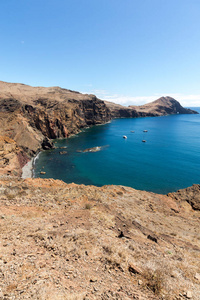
(167, 161)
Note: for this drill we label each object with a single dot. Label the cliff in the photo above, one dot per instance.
(160, 107)
(32, 116)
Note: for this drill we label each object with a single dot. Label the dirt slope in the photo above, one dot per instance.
(67, 241)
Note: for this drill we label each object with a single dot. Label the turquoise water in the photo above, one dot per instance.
(168, 161)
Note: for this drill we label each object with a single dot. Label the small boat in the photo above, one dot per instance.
(132, 131)
(144, 141)
(124, 137)
(42, 173)
(145, 130)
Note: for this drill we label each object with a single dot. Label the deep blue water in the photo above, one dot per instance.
(168, 161)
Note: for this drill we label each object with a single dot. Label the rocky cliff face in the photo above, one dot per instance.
(31, 116)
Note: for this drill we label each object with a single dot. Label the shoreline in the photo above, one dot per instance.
(28, 169)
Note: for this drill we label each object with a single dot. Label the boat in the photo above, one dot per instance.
(124, 137)
(132, 131)
(145, 130)
(144, 141)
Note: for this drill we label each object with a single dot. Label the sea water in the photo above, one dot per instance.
(167, 161)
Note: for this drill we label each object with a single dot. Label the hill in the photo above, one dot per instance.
(160, 107)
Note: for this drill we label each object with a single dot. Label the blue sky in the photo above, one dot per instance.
(126, 51)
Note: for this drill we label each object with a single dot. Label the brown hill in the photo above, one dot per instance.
(163, 106)
(160, 107)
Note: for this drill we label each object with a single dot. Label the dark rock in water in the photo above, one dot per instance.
(63, 152)
(47, 144)
(93, 149)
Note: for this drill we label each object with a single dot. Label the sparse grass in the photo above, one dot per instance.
(88, 206)
(10, 196)
(154, 280)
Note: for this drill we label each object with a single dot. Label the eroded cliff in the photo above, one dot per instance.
(32, 116)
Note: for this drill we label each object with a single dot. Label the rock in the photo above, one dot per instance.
(47, 144)
(94, 279)
(152, 238)
(197, 276)
(133, 269)
(190, 194)
(189, 294)
(93, 149)
(62, 152)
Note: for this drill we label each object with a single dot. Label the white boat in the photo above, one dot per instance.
(124, 137)
(145, 130)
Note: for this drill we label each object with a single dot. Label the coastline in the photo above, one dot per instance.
(28, 169)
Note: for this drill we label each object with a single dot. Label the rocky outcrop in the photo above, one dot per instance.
(32, 116)
(161, 107)
(190, 194)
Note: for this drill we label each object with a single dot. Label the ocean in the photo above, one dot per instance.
(169, 159)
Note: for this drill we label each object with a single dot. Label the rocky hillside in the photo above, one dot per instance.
(32, 116)
(163, 106)
(160, 107)
(68, 241)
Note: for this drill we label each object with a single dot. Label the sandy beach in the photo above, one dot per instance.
(27, 169)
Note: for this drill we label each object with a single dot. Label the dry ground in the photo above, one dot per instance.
(67, 241)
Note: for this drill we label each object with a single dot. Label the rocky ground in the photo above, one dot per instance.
(68, 241)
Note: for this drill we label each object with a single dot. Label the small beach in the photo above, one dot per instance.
(27, 170)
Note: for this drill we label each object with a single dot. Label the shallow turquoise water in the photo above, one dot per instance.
(168, 161)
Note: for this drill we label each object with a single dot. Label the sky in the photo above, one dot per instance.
(124, 51)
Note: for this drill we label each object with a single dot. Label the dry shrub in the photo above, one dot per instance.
(88, 206)
(154, 280)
